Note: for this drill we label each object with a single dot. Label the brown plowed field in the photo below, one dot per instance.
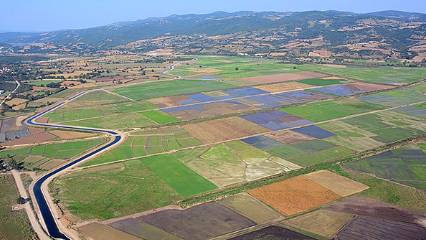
(142, 230)
(336, 183)
(43, 120)
(294, 195)
(97, 231)
(250, 207)
(200, 222)
(220, 130)
(168, 101)
(282, 77)
(37, 135)
(322, 222)
(67, 135)
(373, 208)
(289, 137)
(369, 87)
(283, 87)
(273, 233)
(368, 228)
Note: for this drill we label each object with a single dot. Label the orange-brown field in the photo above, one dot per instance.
(294, 195)
(306, 192)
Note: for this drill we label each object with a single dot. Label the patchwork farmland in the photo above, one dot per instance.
(268, 151)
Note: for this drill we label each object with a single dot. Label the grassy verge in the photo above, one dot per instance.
(14, 225)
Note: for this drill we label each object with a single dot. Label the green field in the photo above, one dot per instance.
(96, 105)
(312, 152)
(397, 75)
(160, 117)
(116, 121)
(406, 165)
(389, 126)
(399, 195)
(350, 136)
(321, 82)
(120, 190)
(130, 187)
(326, 110)
(44, 82)
(47, 156)
(236, 162)
(14, 225)
(143, 143)
(170, 88)
(225, 68)
(182, 179)
(398, 97)
(104, 110)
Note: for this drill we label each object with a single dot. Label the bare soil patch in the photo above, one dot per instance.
(219, 130)
(334, 65)
(369, 87)
(294, 195)
(283, 87)
(336, 183)
(143, 230)
(282, 77)
(322, 222)
(373, 208)
(43, 120)
(37, 135)
(200, 222)
(52, 163)
(16, 102)
(320, 53)
(332, 77)
(368, 228)
(272, 233)
(251, 208)
(68, 135)
(172, 101)
(289, 137)
(97, 231)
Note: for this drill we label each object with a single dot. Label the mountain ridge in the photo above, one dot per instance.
(390, 34)
(67, 36)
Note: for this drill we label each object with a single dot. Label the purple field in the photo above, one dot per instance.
(262, 142)
(340, 90)
(314, 131)
(276, 120)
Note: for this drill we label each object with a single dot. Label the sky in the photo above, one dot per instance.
(47, 15)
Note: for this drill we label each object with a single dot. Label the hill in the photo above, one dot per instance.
(387, 34)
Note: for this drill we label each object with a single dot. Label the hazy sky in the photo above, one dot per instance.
(42, 15)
